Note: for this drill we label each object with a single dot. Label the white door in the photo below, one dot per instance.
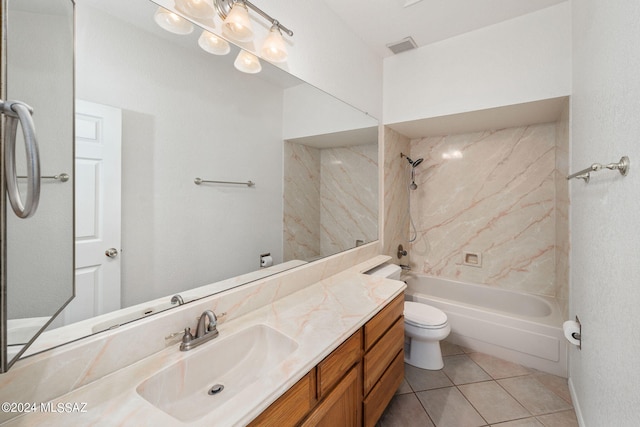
(98, 202)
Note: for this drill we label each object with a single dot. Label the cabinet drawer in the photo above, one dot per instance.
(382, 354)
(378, 325)
(382, 393)
(333, 367)
(292, 406)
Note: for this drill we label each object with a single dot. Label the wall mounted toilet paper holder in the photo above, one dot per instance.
(572, 330)
(265, 260)
(578, 335)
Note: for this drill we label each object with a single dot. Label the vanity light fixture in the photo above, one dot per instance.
(274, 48)
(274, 43)
(211, 43)
(172, 22)
(236, 24)
(195, 8)
(247, 62)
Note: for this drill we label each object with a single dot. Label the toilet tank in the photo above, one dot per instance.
(390, 271)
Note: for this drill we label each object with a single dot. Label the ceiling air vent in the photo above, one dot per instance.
(403, 45)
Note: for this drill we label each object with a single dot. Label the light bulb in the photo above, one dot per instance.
(213, 44)
(195, 8)
(247, 63)
(237, 24)
(172, 22)
(274, 48)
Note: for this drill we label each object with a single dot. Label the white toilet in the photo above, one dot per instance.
(424, 327)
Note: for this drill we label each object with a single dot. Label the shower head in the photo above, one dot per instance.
(413, 163)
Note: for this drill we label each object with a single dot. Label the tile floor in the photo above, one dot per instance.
(475, 389)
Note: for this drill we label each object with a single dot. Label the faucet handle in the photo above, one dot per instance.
(187, 337)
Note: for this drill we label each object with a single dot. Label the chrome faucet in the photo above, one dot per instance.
(206, 330)
(405, 267)
(177, 299)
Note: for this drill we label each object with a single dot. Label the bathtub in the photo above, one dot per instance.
(513, 326)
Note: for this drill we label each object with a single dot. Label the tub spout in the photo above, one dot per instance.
(405, 267)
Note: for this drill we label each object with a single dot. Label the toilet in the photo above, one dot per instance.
(424, 327)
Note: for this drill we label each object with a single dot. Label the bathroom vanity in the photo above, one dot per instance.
(352, 385)
(330, 352)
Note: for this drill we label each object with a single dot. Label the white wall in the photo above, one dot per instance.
(179, 123)
(521, 60)
(328, 55)
(604, 213)
(308, 111)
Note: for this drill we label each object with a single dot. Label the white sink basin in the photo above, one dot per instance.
(236, 361)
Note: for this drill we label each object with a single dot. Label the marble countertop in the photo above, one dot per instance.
(319, 318)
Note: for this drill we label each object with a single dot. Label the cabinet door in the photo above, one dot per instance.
(341, 407)
(37, 252)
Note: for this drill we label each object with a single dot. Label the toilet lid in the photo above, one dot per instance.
(423, 315)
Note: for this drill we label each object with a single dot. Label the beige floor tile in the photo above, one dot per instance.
(498, 368)
(423, 379)
(462, 370)
(493, 402)
(558, 385)
(467, 349)
(559, 419)
(447, 407)
(526, 422)
(449, 349)
(405, 411)
(404, 388)
(533, 395)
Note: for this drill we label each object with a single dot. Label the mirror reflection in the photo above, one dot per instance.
(39, 249)
(154, 112)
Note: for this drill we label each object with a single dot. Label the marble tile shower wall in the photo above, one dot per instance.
(395, 219)
(489, 193)
(348, 197)
(301, 208)
(330, 199)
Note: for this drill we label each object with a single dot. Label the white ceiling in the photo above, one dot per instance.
(380, 22)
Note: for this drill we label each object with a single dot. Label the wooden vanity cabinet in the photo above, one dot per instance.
(354, 384)
(383, 361)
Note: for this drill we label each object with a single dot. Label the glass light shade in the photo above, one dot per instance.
(237, 24)
(211, 43)
(247, 63)
(195, 8)
(172, 22)
(274, 48)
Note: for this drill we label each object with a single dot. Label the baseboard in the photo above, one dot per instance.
(576, 404)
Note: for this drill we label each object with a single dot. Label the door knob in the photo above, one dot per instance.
(111, 252)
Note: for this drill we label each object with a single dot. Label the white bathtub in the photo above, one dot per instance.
(514, 326)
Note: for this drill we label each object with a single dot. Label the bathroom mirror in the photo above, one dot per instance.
(37, 251)
(178, 113)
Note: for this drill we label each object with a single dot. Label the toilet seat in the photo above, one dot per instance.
(424, 316)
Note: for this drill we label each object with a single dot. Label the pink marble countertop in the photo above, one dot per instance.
(319, 318)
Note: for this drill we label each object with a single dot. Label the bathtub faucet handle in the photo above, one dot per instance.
(401, 252)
